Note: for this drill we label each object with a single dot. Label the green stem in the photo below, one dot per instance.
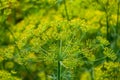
(92, 73)
(100, 59)
(65, 6)
(107, 24)
(59, 59)
(107, 19)
(117, 23)
(105, 8)
(59, 70)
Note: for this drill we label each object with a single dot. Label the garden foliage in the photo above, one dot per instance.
(59, 40)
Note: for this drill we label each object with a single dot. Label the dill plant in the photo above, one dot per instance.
(59, 49)
(46, 46)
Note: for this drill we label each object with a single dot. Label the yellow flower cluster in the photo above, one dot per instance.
(107, 70)
(4, 75)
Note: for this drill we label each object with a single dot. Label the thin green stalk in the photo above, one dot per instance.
(99, 59)
(117, 23)
(107, 19)
(105, 8)
(59, 70)
(92, 73)
(65, 6)
(59, 59)
(107, 24)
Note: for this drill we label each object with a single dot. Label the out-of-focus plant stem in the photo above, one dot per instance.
(117, 23)
(66, 11)
(107, 19)
(59, 59)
